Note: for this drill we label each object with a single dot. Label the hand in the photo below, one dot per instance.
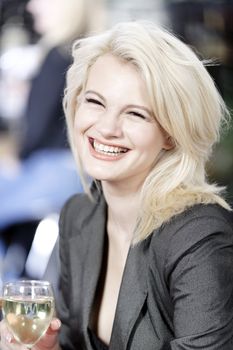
(48, 342)
(7, 341)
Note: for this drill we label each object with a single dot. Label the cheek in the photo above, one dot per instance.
(77, 123)
(146, 137)
(84, 119)
(79, 129)
(81, 122)
(78, 135)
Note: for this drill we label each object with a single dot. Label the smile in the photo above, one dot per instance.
(107, 149)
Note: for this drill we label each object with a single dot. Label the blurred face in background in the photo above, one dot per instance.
(54, 15)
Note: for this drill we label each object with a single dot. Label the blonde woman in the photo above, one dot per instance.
(147, 253)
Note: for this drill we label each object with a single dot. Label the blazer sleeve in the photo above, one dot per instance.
(199, 273)
(63, 307)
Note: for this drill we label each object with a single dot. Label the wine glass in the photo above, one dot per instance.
(28, 308)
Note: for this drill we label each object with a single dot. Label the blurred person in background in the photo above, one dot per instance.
(42, 174)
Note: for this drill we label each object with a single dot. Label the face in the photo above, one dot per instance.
(117, 137)
(47, 14)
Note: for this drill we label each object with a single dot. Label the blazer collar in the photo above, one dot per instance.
(96, 231)
(132, 296)
(86, 251)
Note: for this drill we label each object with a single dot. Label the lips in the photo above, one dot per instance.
(104, 149)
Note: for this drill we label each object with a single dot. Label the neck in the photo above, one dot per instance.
(123, 205)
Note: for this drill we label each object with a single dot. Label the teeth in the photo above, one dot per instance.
(110, 150)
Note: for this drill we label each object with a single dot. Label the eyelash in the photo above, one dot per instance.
(94, 101)
(136, 114)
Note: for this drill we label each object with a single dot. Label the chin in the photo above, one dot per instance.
(101, 177)
(94, 175)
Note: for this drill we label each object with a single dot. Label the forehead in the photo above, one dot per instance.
(108, 63)
(113, 74)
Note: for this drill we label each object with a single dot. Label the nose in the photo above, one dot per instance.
(109, 124)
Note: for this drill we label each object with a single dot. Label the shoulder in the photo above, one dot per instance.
(211, 217)
(58, 56)
(78, 212)
(187, 231)
(198, 221)
(54, 62)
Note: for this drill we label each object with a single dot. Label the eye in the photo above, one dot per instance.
(94, 101)
(137, 114)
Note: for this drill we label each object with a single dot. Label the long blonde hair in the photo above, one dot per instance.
(185, 103)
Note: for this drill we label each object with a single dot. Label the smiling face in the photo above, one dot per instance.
(116, 135)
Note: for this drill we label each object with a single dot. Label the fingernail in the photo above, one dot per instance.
(58, 323)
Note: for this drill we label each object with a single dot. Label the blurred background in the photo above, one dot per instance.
(37, 173)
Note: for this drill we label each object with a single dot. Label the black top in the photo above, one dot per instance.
(44, 117)
(97, 342)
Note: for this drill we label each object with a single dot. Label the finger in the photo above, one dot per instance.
(55, 324)
(7, 339)
(50, 339)
(9, 343)
(5, 334)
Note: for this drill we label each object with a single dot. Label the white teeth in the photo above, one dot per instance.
(110, 150)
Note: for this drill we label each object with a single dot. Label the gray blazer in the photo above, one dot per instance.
(177, 287)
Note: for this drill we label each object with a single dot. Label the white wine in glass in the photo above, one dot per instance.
(28, 308)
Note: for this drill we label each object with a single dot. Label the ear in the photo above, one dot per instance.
(169, 143)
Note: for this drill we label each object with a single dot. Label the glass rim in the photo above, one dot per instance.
(33, 283)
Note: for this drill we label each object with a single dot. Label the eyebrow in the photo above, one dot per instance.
(127, 106)
(95, 93)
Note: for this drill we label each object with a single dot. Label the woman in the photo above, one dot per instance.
(147, 254)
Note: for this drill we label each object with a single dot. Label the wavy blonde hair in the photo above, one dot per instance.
(185, 102)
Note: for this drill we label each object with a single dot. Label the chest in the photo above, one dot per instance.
(108, 288)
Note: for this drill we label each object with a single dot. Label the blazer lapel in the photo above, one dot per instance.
(93, 265)
(95, 231)
(87, 254)
(132, 296)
